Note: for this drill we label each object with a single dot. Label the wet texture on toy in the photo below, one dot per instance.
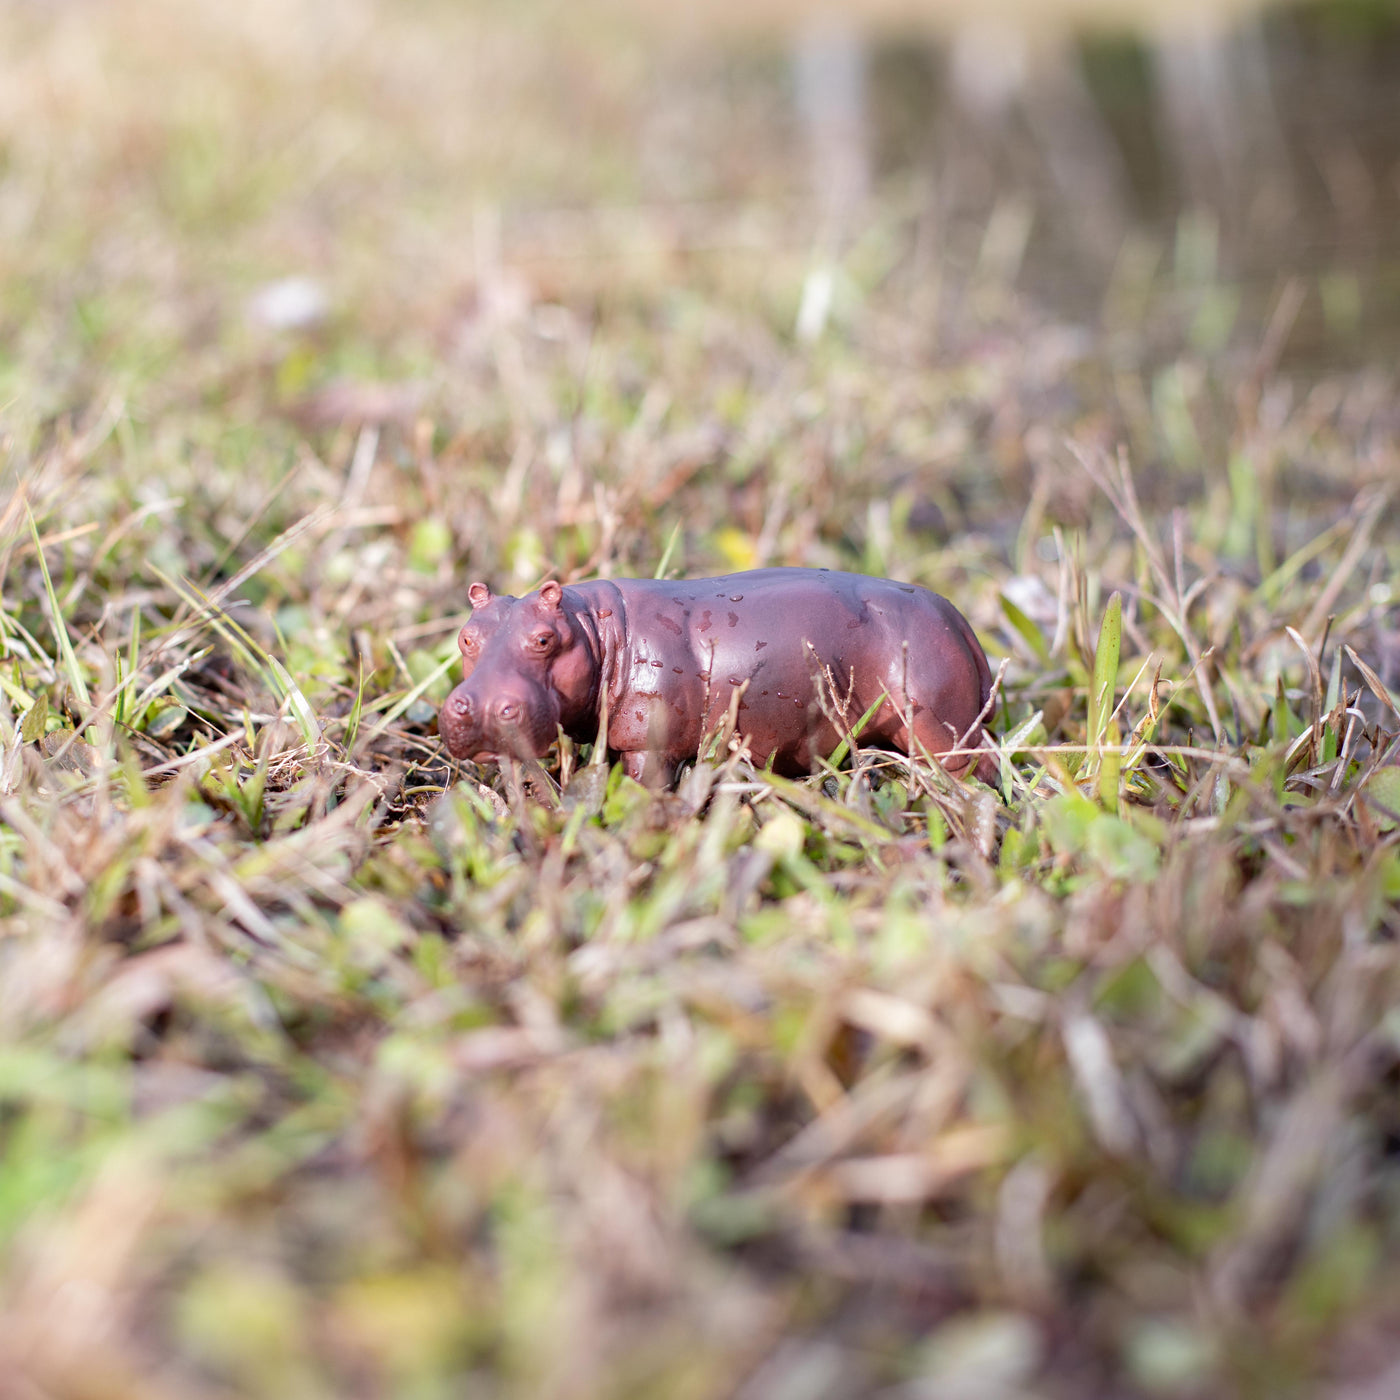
(797, 657)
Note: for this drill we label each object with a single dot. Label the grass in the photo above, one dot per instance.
(328, 1067)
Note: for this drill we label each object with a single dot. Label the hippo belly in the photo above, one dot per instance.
(811, 650)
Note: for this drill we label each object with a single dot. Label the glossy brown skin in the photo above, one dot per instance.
(660, 661)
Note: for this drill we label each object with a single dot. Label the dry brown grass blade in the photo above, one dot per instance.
(1113, 476)
(1374, 683)
(1369, 510)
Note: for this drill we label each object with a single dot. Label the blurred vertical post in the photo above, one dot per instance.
(831, 80)
(1220, 123)
(997, 72)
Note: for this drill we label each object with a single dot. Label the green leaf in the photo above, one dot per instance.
(60, 631)
(1025, 734)
(1382, 791)
(126, 685)
(1105, 669)
(352, 722)
(668, 551)
(1025, 629)
(1120, 852)
(290, 693)
(429, 544)
(164, 718)
(1110, 770)
(35, 718)
(1334, 684)
(1331, 732)
(1283, 725)
(1066, 820)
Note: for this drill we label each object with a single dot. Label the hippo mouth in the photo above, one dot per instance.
(512, 730)
(511, 746)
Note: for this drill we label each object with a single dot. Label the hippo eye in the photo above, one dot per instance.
(542, 642)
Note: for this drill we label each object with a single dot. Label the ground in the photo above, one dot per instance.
(332, 1068)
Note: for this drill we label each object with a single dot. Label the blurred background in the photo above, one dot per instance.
(1067, 146)
(338, 304)
(371, 213)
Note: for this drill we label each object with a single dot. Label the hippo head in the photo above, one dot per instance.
(527, 669)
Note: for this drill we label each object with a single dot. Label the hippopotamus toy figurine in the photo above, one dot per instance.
(657, 665)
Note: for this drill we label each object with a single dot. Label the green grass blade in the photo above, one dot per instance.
(133, 662)
(20, 698)
(1332, 721)
(291, 695)
(1110, 770)
(1105, 678)
(405, 700)
(1281, 721)
(60, 631)
(1023, 734)
(209, 615)
(35, 719)
(838, 755)
(1026, 630)
(352, 720)
(668, 551)
(275, 674)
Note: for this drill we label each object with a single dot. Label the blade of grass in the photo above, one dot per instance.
(276, 676)
(1026, 630)
(18, 696)
(1105, 678)
(1280, 722)
(1272, 587)
(1334, 683)
(60, 631)
(162, 682)
(352, 720)
(1012, 743)
(668, 551)
(1355, 551)
(1333, 708)
(838, 754)
(133, 661)
(210, 615)
(1110, 769)
(291, 694)
(35, 719)
(1378, 686)
(405, 700)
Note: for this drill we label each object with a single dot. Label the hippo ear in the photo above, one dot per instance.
(551, 594)
(479, 595)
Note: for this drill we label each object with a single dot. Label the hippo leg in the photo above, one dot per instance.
(935, 738)
(652, 770)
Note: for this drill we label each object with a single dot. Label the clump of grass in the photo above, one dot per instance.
(331, 1067)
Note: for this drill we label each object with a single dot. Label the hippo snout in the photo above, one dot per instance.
(519, 725)
(475, 722)
(459, 725)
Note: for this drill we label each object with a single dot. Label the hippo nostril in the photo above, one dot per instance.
(460, 705)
